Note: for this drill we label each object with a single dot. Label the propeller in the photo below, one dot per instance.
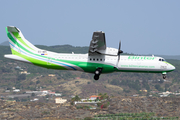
(118, 54)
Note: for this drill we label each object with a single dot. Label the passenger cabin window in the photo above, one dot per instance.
(96, 59)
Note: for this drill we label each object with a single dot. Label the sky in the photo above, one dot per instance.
(143, 26)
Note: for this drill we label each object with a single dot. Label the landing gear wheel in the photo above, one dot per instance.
(164, 76)
(96, 77)
(97, 73)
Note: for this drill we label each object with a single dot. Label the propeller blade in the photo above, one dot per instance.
(118, 54)
(118, 61)
(119, 46)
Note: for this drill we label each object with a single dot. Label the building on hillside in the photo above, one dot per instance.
(60, 100)
(58, 94)
(52, 93)
(165, 94)
(143, 90)
(18, 68)
(16, 90)
(94, 97)
(46, 91)
(72, 96)
(24, 72)
(51, 75)
(135, 95)
(35, 99)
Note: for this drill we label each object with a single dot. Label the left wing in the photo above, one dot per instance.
(97, 44)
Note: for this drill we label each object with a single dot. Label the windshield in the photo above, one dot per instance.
(161, 59)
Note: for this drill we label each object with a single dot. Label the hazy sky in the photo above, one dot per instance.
(144, 27)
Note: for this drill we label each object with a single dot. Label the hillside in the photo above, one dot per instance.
(121, 107)
(137, 94)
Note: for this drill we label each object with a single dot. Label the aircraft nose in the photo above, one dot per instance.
(173, 67)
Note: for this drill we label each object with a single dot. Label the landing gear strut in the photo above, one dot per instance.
(97, 73)
(164, 75)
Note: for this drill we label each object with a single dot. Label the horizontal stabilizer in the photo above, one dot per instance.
(17, 58)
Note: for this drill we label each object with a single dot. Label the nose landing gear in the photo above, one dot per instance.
(164, 75)
(97, 73)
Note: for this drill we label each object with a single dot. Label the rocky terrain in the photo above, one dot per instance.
(165, 106)
(162, 107)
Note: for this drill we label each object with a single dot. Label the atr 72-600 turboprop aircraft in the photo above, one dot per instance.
(99, 59)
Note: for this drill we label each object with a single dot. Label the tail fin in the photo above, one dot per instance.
(17, 41)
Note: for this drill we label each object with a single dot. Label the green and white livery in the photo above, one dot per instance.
(99, 59)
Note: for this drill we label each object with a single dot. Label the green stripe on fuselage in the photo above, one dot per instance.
(40, 62)
(143, 71)
(91, 67)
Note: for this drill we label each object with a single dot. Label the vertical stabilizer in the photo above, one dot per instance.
(17, 41)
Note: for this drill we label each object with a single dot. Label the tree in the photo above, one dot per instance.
(88, 118)
(4, 69)
(76, 98)
(103, 96)
(115, 82)
(33, 94)
(158, 87)
(22, 77)
(37, 82)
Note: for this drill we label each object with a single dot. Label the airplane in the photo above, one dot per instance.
(99, 59)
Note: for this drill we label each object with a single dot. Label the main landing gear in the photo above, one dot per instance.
(97, 73)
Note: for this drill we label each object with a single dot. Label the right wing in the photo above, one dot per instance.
(97, 44)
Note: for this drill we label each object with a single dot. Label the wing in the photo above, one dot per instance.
(98, 43)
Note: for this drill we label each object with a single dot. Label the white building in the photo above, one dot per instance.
(60, 100)
(58, 94)
(35, 99)
(16, 90)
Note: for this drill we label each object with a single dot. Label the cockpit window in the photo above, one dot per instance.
(162, 60)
